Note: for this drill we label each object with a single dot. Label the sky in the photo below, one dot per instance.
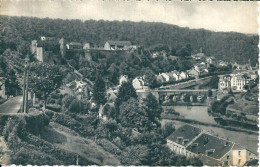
(216, 16)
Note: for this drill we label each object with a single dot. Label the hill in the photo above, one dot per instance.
(35, 139)
(18, 32)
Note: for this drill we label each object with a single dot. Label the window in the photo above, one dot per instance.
(239, 161)
(226, 163)
(228, 157)
(239, 153)
(249, 153)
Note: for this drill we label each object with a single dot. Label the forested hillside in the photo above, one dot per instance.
(17, 33)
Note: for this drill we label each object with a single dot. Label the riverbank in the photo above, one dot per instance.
(173, 117)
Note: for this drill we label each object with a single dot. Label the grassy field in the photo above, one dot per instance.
(52, 144)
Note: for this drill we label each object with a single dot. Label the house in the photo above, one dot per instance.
(181, 138)
(138, 83)
(176, 76)
(43, 38)
(199, 56)
(191, 141)
(166, 77)
(155, 55)
(2, 88)
(159, 79)
(211, 60)
(238, 81)
(118, 45)
(123, 78)
(88, 45)
(193, 73)
(224, 82)
(74, 45)
(222, 63)
(241, 67)
(184, 75)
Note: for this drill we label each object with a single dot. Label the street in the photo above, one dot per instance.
(11, 105)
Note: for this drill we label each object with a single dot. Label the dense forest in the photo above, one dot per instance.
(18, 32)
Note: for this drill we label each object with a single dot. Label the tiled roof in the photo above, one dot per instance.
(237, 147)
(76, 43)
(209, 161)
(184, 133)
(47, 43)
(208, 142)
(120, 43)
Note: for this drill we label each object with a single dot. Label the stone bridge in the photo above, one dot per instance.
(175, 95)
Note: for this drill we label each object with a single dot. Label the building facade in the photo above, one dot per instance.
(191, 141)
(118, 45)
(238, 81)
(224, 82)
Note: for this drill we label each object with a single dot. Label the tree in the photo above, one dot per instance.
(210, 93)
(126, 91)
(135, 155)
(107, 129)
(168, 129)
(211, 68)
(99, 91)
(184, 51)
(213, 83)
(153, 110)
(160, 155)
(11, 83)
(44, 77)
(109, 111)
(150, 79)
(133, 115)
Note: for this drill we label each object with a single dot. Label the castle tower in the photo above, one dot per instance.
(34, 46)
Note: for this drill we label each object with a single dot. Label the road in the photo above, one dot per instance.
(11, 105)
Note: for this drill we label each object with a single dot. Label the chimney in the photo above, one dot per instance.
(205, 140)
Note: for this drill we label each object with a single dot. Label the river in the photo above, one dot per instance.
(199, 113)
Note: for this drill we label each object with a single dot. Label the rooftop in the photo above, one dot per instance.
(184, 133)
(120, 43)
(76, 43)
(211, 146)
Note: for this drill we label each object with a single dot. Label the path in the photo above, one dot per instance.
(11, 106)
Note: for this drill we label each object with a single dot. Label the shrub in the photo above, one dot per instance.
(54, 107)
(35, 123)
(49, 113)
(108, 146)
(51, 101)
(75, 106)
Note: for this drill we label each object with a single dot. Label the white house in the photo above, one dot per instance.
(184, 75)
(165, 76)
(74, 45)
(138, 83)
(224, 82)
(118, 45)
(175, 75)
(123, 78)
(238, 81)
(210, 60)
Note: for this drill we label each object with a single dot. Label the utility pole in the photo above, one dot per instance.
(25, 85)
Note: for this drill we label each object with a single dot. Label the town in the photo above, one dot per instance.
(74, 101)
